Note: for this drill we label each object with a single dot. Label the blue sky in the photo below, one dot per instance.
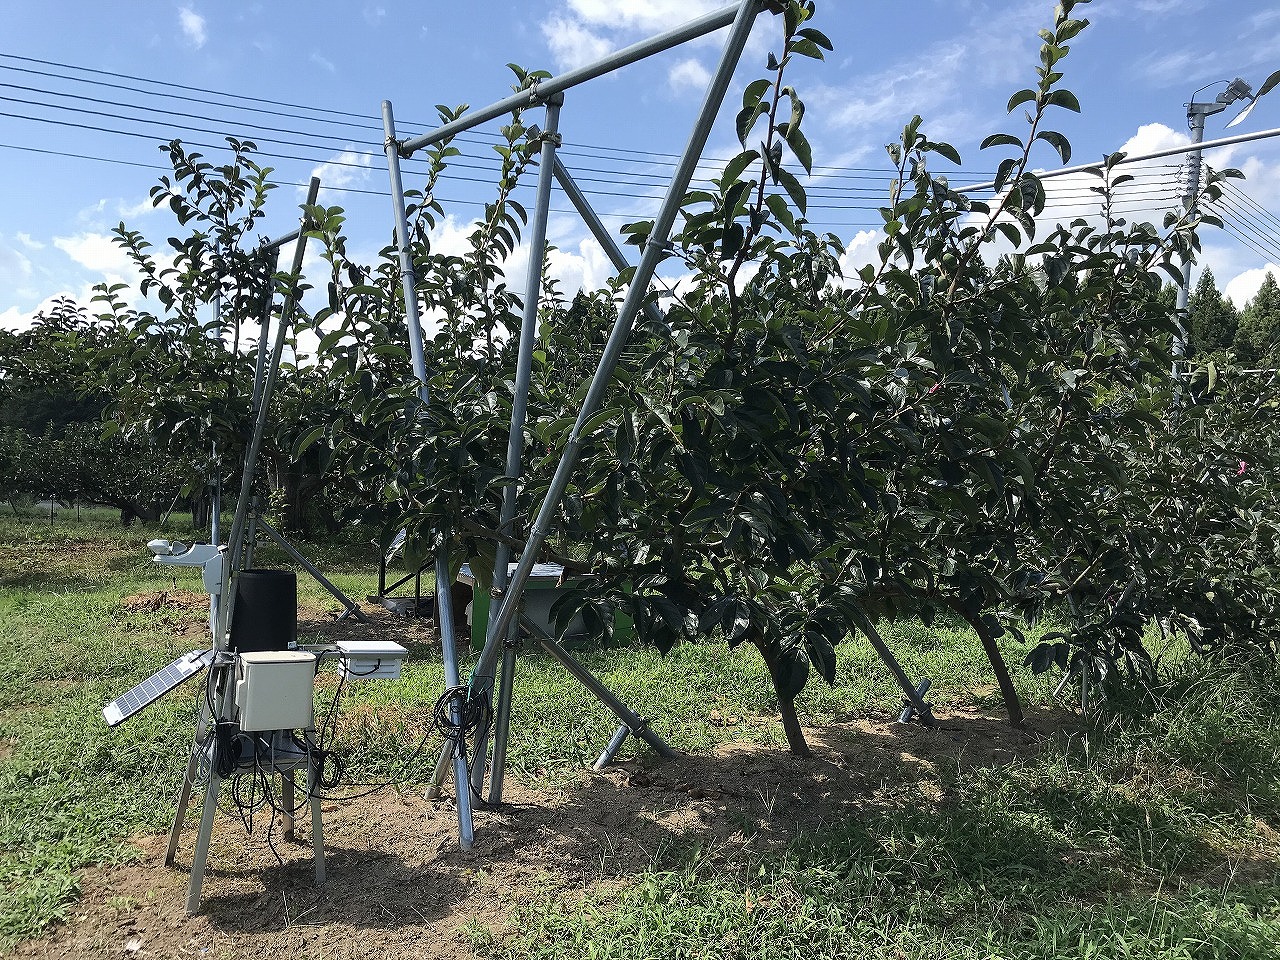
(322, 69)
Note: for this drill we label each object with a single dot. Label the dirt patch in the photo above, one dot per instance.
(399, 886)
(416, 634)
(164, 600)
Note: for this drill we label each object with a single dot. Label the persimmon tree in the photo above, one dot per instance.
(972, 423)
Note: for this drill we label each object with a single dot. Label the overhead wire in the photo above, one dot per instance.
(359, 121)
(829, 182)
(1238, 192)
(1245, 218)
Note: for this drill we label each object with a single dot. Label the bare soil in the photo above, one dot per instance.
(399, 886)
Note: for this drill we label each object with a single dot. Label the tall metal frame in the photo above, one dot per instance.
(508, 589)
(502, 626)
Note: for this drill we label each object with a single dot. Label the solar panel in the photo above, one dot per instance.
(156, 686)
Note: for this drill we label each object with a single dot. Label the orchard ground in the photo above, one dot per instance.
(1155, 836)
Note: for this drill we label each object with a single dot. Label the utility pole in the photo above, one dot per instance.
(1197, 111)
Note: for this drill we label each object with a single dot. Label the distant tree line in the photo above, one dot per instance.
(1219, 331)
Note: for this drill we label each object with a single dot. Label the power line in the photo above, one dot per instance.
(1239, 193)
(361, 121)
(348, 149)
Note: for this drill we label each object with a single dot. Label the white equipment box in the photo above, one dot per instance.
(370, 659)
(275, 690)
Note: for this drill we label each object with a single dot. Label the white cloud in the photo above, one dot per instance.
(128, 211)
(688, 76)
(1165, 68)
(572, 44)
(374, 14)
(861, 250)
(324, 63)
(15, 266)
(1164, 7)
(594, 28)
(16, 318)
(1244, 287)
(96, 252)
(649, 16)
(193, 27)
(347, 169)
(588, 269)
(29, 242)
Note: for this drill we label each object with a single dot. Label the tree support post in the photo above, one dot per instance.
(482, 683)
(637, 291)
(352, 608)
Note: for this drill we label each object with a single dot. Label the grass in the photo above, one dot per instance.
(1150, 837)
(1145, 840)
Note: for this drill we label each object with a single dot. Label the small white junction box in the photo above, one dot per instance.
(370, 659)
(275, 690)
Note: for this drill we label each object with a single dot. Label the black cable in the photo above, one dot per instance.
(361, 121)
(1237, 191)
(1230, 228)
(1259, 230)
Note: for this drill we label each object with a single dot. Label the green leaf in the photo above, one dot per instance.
(793, 188)
(822, 654)
(306, 440)
(948, 151)
(799, 145)
(806, 48)
(734, 168)
(1065, 99)
(816, 36)
(999, 140)
(1068, 29)
(1058, 142)
(1002, 172)
(793, 672)
(754, 93)
(781, 211)
(1269, 84)
(1022, 96)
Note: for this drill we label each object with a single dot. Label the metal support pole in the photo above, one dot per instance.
(441, 767)
(353, 609)
(636, 723)
(408, 281)
(910, 710)
(251, 538)
(264, 328)
(317, 822)
(615, 744)
(482, 683)
(502, 719)
(914, 694)
(184, 798)
(543, 91)
(448, 648)
(236, 541)
(654, 251)
(597, 227)
(1189, 203)
(200, 857)
(288, 804)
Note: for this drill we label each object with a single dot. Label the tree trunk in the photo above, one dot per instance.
(1012, 705)
(786, 704)
(300, 488)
